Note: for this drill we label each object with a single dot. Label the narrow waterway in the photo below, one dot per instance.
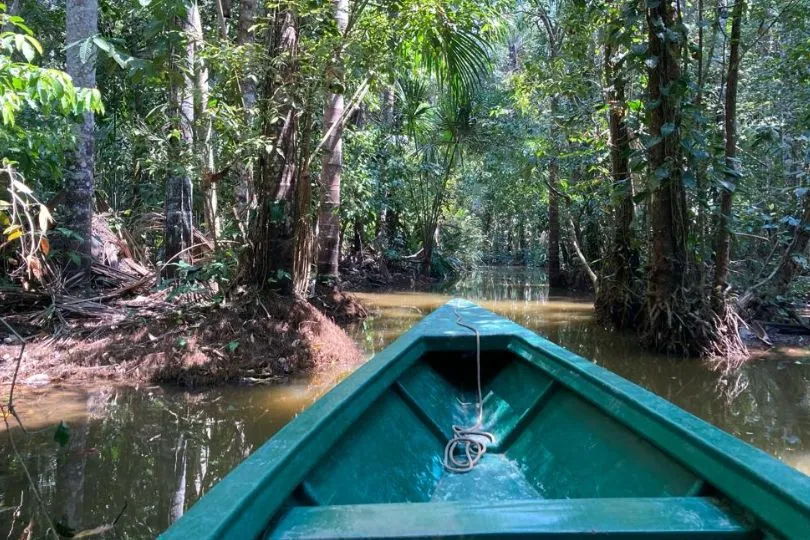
(157, 450)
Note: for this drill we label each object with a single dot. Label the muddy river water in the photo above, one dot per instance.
(157, 450)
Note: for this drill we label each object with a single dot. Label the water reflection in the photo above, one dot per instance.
(159, 450)
(156, 450)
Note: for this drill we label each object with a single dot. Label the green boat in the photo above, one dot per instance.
(563, 449)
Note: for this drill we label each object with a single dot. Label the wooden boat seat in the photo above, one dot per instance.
(670, 518)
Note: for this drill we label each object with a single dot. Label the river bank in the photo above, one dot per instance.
(157, 338)
(246, 338)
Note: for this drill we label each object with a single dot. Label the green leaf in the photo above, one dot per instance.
(635, 105)
(123, 60)
(84, 50)
(22, 188)
(34, 43)
(62, 435)
(233, 345)
(651, 142)
(24, 46)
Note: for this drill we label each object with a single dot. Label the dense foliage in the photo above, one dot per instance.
(656, 152)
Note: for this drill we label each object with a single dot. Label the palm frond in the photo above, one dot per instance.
(413, 105)
(458, 57)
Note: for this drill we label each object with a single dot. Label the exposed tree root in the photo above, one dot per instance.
(617, 306)
(727, 351)
(770, 306)
(685, 325)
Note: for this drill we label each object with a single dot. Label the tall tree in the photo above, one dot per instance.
(666, 328)
(705, 59)
(179, 199)
(203, 125)
(272, 234)
(555, 275)
(332, 161)
(303, 239)
(732, 172)
(245, 37)
(82, 25)
(616, 299)
(554, 38)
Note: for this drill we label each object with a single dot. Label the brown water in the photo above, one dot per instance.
(158, 450)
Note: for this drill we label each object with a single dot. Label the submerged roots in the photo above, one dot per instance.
(685, 325)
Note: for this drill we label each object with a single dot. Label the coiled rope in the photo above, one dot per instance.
(469, 444)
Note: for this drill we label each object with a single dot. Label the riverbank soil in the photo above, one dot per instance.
(247, 338)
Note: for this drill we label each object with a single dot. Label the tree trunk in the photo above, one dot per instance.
(665, 327)
(700, 166)
(387, 104)
(82, 24)
(617, 302)
(521, 245)
(555, 277)
(248, 11)
(357, 244)
(222, 19)
(179, 193)
(304, 228)
(723, 235)
(392, 225)
(270, 262)
(575, 242)
(429, 222)
(203, 126)
(332, 162)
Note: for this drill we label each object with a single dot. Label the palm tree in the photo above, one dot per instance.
(437, 133)
(82, 24)
(458, 58)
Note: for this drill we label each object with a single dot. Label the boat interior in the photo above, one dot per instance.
(556, 458)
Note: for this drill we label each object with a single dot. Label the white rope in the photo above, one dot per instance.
(469, 444)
